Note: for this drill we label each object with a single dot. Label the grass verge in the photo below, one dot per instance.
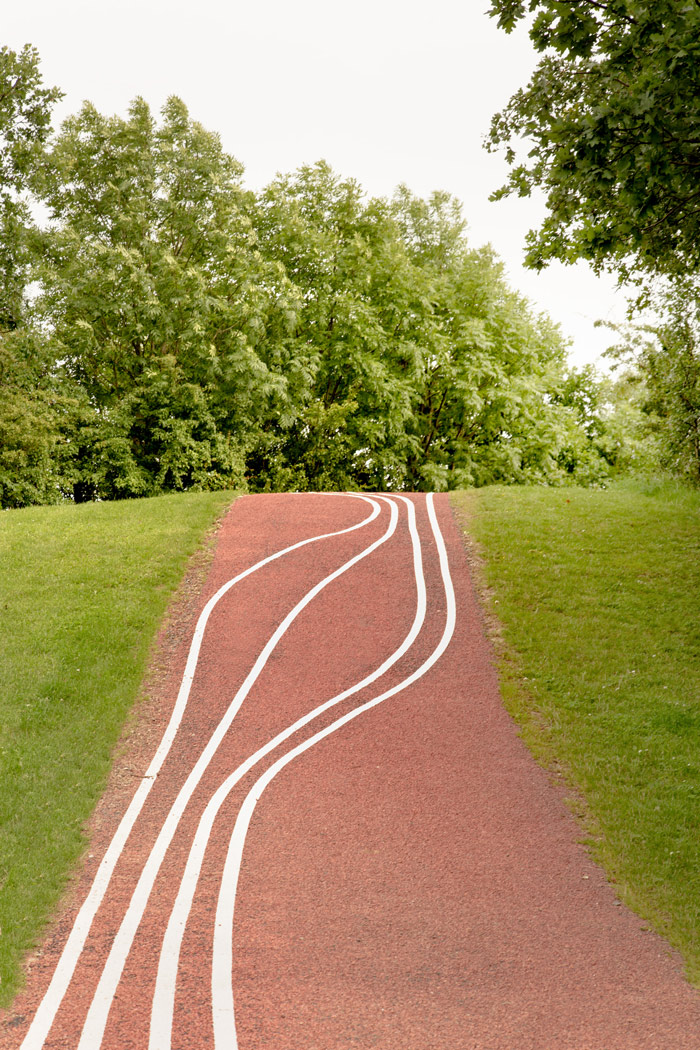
(598, 593)
(82, 592)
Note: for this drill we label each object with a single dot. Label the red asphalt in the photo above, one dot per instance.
(413, 881)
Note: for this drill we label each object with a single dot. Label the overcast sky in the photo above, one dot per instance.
(386, 91)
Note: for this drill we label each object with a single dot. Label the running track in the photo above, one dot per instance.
(340, 841)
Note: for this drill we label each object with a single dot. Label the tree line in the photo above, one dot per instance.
(164, 328)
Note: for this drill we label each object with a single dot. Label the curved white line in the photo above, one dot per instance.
(44, 1017)
(166, 981)
(93, 1029)
(223, 1013)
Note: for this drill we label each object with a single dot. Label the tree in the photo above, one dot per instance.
(28, 433)
(158, 304)
(350, 362)
(27, 441)
(25, 122)
(612, 120)
(417, 367)
(485, 408)
(186, 334)
(663, 361)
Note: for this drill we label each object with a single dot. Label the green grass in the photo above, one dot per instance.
(598, 594)
(82, 592)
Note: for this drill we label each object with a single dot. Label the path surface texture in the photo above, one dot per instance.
(340, 841)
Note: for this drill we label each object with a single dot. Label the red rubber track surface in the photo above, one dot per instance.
(414, 880)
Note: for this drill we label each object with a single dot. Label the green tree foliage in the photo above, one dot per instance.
(419, 367)
(160, 307)
(28, 432)
(25, 122)
(662, 365)
(30, 410)
(352, 363)
(612, 121)
(185, 333)
(27, 442)
(485, 408)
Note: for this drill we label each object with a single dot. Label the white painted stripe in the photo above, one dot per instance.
(223, 1012)
(164, 994)
(93, 1029)
(45, 1015)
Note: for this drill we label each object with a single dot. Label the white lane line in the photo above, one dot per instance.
(93, 1029)
(166, 981)
(44, 1017)
(223, 1012)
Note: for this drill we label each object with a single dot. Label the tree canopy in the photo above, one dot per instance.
(183, 332)
(661, 364)
(609, 128)
(157, 301)
(28, 424)
(611, 118)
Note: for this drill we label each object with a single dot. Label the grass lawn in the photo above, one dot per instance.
(82, 592)
(598, 594)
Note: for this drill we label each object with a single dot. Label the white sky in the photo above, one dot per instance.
(386, 91)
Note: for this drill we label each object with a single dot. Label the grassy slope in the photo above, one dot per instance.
(82, 591)
(598, 593)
